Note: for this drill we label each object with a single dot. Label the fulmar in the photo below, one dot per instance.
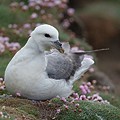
(40, 75)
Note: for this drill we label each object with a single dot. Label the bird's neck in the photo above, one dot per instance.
(33, 46)
(32, 50)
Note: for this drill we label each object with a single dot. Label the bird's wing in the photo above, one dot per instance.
(61, 66)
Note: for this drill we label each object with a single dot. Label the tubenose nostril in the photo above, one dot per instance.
(58, 43)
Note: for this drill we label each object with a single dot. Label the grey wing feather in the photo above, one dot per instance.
(62, 66)
(59, 66)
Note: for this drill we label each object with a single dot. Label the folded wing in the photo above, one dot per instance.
(62, 66)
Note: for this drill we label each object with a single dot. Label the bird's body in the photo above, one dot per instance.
(40, 76)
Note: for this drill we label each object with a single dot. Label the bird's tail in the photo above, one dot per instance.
(85, 65)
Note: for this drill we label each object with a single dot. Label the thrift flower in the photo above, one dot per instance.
(58, 111)
(18, 94)
(63, 99)
(34, 16)
(66, 107)
(70, 11)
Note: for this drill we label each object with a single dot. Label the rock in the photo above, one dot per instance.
(103, 82)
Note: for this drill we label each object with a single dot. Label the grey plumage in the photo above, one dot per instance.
(62, 66)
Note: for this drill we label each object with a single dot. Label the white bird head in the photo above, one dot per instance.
(46, 35)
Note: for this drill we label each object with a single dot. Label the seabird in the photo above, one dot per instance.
(40, 75)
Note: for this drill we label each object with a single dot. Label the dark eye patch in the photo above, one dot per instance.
(47, 35)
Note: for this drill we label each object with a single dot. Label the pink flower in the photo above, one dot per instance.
(27, 26)
(94, 96)
(89, 84)
(77, 99)
(31, 4)
(21, 3)
(91, 70)
(57, 2)
(94, 81)
(14, 26)
(66, 23)
(63, 99)
(65, 1)
(63, 5)
(89, 97)
(42, 11)
(25, 7)
(73, 100)
(14, 4)
(37, 7)
(14, 46)
(4, 39)
(77, 105)
(83, 97)
(58, 111)
(34, 16)
(82, 88)
(50, 4)
(66, 107)
(70, 11)
(85, 88)
(2, 48)
(75, 95)
(2, 87)
(1, 114)
(18, 94)
(1, 79)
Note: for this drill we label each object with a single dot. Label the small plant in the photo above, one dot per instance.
(5, 44)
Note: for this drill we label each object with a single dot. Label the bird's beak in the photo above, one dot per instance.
(58, 46)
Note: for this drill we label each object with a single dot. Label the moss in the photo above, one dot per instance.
(114, 100)
(20, 106)
(16, 113)
(91, 111)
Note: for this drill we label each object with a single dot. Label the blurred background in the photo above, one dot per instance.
(100, 23)
(87, 24)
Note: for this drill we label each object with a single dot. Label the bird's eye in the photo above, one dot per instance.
(47, 35)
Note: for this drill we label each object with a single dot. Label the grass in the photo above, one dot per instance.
(114, 100)
(17, 108)
(91, 111)
(9, 16)
(6, 2)
(4, 60)
(6, 16)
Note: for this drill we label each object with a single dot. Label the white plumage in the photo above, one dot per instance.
(26, 73)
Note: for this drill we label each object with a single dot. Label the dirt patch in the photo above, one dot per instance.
(23, 109)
